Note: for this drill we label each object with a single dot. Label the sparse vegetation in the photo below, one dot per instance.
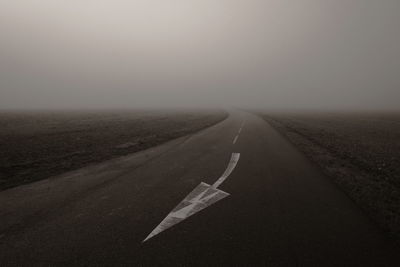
(38, 145)
(360, 151)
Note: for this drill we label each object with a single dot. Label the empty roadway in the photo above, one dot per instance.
(281, 211)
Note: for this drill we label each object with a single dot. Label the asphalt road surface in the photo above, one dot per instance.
(280, 211)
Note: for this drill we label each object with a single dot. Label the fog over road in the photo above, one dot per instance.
(281, 210)
(274, 54)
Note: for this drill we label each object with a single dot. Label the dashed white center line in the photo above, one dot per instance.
(237, 136)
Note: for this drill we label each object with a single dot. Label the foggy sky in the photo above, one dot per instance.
(329, 54)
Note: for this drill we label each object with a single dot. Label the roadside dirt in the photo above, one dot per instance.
(359, 151)
(41, 144)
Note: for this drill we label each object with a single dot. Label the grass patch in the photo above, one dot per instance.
(359, 151)
(35, 145)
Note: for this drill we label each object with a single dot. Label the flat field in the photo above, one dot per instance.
(359, 151)
(35, 145)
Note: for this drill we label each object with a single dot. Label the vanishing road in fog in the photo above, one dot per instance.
(271, 206)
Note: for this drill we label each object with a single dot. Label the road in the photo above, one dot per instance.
(280, 211)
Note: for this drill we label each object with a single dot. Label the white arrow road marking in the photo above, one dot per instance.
(231, 166)
(201, 197)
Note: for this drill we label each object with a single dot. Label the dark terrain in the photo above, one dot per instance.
(281, 209)
(359, 151)
(35, 145)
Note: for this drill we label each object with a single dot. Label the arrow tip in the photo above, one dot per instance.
(201, 197)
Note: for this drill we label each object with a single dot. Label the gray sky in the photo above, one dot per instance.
(248, 53)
